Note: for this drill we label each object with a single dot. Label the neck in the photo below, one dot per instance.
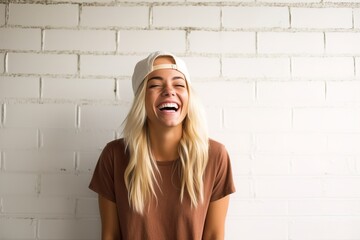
(164, 143)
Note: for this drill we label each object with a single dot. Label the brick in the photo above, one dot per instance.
(235, 93)
(87, 160)
(108, 65)
(308, 165)
(215, 1)
(33, 63)
(89, 1)
(271, 228)
(290, 43)
(344, 143)
(63, 88)
(20, 184)
(65, 185)
(206, 17)
(255, 17)
(20, 39)
(17, 138)
(44, 206)
(256, 67)
(39, 161)
(356, 13)
(55, 139)
(17, 228)
(102, 117)
(69, 229)
(125, 91)
(42, 115)
(290, 93)
(240, 164)
(203, 67)
(323, 165)
(244, 188)
(289, 1)
(222, 42)
(257, 119)
(342, 187)
(2, 14)
(341, 165)
(343, 92)
(261, 208)
(323, 67)
(290, 143)
(324, 207)
(240, 144)
(270, 165)
(19, 87)
(214, 118)
(87, 207)
(328, 227)
(133, 41)
(342, 43)
(288, 187)
(319, 18)
(327, 119)
(114, 16)
(80, 40)
(53, 15)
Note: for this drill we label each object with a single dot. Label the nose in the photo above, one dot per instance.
(168, 91)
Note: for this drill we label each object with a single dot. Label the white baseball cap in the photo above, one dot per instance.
(144, 67)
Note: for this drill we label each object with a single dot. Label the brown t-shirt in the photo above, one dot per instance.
(167, 218)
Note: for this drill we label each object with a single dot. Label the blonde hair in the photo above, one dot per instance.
(193, 153)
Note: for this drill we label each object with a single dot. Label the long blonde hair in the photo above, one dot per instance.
(193, 153)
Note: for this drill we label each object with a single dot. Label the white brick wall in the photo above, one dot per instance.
(279, 80)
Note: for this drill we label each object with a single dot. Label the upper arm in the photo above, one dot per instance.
(215, 219)
(109, 219)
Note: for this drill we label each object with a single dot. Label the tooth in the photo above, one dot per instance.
(169, 105)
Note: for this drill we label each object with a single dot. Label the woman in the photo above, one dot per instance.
(165, 180)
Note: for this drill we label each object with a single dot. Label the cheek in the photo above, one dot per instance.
(148, 104)
(185, 100)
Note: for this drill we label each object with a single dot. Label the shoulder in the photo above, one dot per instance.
(114, 148)
(116, 144)
(218, 154)
(216, 147)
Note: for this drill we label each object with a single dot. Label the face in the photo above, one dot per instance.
(166, 98)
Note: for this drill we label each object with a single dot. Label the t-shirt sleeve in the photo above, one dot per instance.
(102, 181)
(224, 183)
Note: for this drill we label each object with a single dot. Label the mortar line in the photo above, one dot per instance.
(77, 116)
(7, 13)
(40, 88)
(116, 89)
(3, 115)
(150, 23)
(42, 47)
(2, 164)
(6, 62)
(79, 17)
(76, 161)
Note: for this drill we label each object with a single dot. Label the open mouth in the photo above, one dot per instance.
(168, 107)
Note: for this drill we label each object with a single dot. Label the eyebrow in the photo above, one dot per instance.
(160, 78)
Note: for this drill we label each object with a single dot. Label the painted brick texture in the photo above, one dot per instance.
(280, 81)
